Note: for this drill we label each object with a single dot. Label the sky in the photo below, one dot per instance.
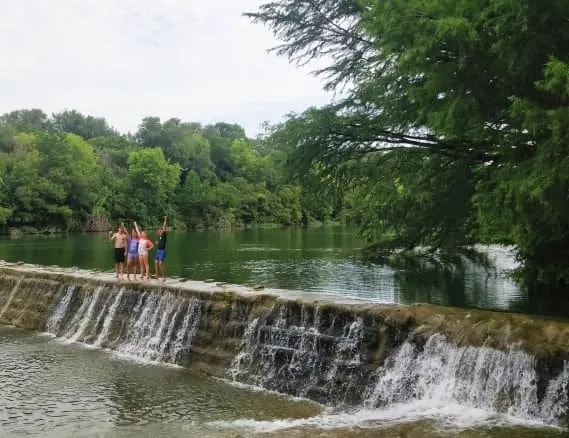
(128, 59)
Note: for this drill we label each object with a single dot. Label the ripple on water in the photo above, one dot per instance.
(64, 390)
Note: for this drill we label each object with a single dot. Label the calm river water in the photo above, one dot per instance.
(322, 260)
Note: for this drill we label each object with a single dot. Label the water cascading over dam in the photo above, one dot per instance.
(344, 354)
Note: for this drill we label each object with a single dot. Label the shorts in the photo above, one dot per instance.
(160, 255)
(119, 255)
(132, 256)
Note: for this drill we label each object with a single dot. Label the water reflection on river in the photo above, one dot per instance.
(323, 260)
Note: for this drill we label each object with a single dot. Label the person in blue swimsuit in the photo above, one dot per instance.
(159, 269)
(132, 254)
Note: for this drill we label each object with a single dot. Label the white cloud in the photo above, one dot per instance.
(127, 59)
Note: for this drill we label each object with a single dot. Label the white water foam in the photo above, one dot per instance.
(86, 316)
(503, 382)
(160, 331)
(152, 330)
(453, 416)
(109, 320)
(60, 310)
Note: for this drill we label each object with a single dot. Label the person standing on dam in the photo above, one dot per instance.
(159, 268)
(132, 257)
(144, 245)
(120, 239)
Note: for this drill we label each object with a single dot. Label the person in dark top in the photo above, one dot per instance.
(159, 269)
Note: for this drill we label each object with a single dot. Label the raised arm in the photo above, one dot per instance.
(165, 224)
(136, 228)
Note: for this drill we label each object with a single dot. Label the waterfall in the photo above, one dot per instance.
(323, 361)
(109, 319)
(330, 355)
(147, 326)
(188, 329)
(304, 360)
(11, 296)
(151, 334)
(52, 325)
(504, 382)
(85, 317)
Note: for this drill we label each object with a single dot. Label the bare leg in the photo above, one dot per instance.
(144, 266)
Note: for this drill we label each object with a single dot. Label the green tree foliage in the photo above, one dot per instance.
(75, 172)
(32, 120)
(453, 123)
(84, 126)
(151, 180)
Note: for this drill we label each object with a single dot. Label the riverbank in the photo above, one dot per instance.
(17, 232)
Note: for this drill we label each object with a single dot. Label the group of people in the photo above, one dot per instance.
(134, 247)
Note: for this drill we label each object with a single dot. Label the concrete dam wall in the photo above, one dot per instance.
(339, 353)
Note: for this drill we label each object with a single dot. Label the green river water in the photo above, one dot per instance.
(321, 260)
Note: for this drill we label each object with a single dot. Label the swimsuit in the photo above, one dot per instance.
(119, 251)
(133, 248)
(142, 247)
(119, 255)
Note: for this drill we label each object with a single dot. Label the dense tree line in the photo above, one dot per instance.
(74, 172)
(453, 127)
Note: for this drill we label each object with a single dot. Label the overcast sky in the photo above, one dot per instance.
(127, 59)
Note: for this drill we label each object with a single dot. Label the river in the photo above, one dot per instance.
(320, 260)
(53, 388)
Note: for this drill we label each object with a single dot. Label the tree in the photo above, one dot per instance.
(73, 172)
(32, 120)
(446, 102)
(84, 126)
(152, 181)
(221, 136)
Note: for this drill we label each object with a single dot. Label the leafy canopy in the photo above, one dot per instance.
(453, 122)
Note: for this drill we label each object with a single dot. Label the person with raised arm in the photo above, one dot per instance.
(144, 245)
(120, 238)
(159, 269)
(132, 254)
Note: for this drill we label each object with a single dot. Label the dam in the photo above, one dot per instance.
(350, 364)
